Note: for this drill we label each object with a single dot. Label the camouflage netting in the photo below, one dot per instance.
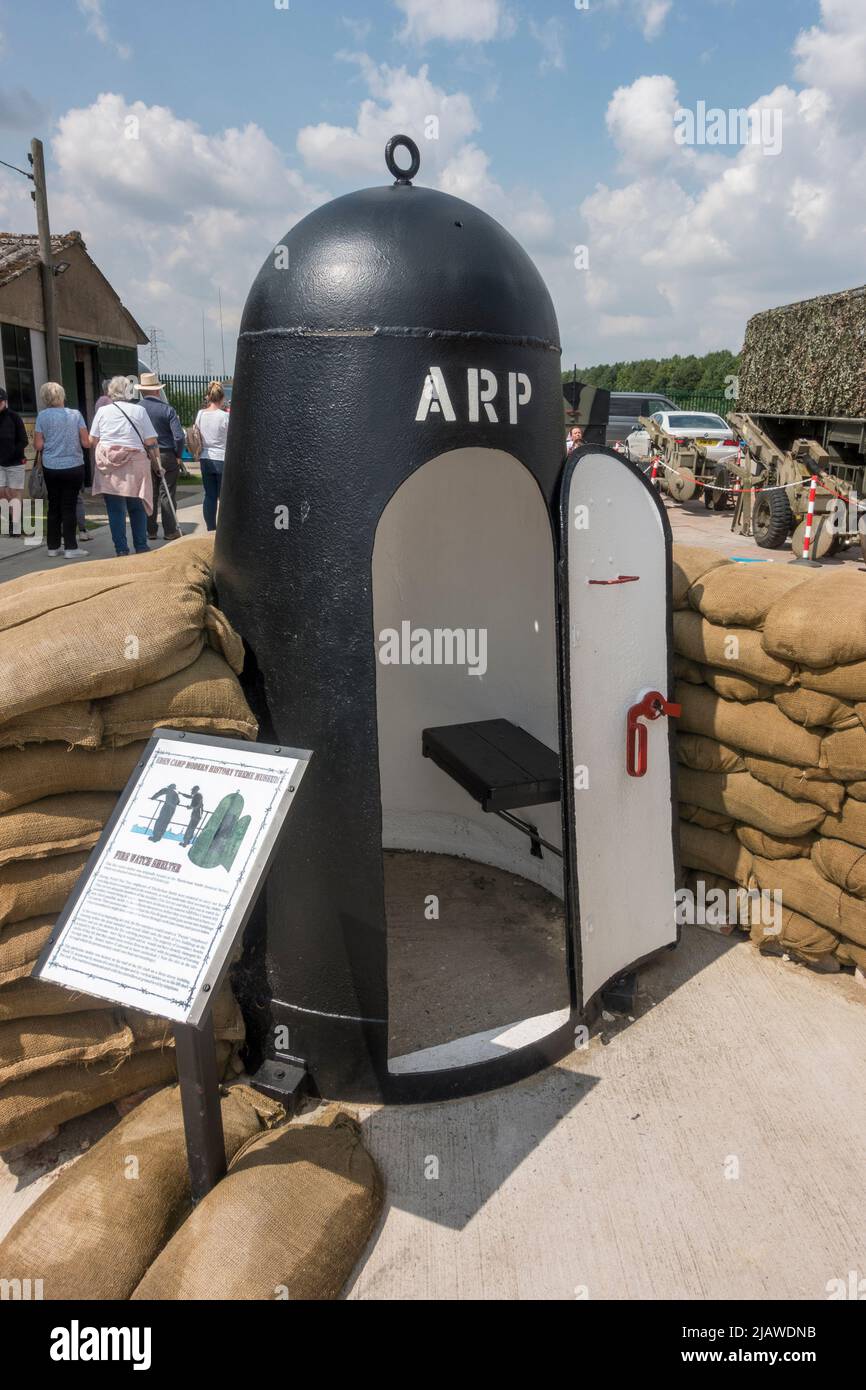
(807, 358)
(771, 676)
(80, 708)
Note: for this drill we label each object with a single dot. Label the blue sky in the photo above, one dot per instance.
(556, 119)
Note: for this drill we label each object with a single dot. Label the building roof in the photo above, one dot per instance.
(19, 253)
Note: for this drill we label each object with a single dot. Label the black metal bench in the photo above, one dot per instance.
(501, 766)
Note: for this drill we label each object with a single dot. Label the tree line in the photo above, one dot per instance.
(662, 374)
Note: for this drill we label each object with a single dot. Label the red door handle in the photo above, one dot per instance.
(652, 706)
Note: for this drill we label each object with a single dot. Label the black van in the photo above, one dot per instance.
(627, 406)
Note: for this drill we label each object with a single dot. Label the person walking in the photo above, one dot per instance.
(213, 424)
(13, 442)
(170, 442)
(125, 444)
(61, 437)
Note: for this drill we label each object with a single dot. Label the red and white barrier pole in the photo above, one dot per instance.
(810, 512)
(654, 473)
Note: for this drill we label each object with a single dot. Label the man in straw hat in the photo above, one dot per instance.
(169, 438)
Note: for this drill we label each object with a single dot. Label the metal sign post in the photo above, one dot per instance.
(200, 1102)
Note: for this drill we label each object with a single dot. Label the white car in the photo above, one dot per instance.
(686, 425)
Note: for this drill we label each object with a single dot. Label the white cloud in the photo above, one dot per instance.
(655, 14)
(399, 101)
(832, 55)
(173, 214)
(411, 104)
(456, 21)
(98, 27)
(682, 254)
(551, 37)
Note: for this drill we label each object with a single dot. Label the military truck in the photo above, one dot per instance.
(801, 411)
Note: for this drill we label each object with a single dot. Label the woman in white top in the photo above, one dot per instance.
(213, 425)
(123, 435)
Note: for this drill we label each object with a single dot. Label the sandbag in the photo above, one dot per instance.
(734, 687)
(707, 755)
(845, 682)
(734, 649)
(20, 945)
(842, 864)
(849, 824)
(814, 710)
(799, 936)
(720, 854)
(701, 883)
(206, 696)
(810, 784)
(290, 1219)
(742, 797)
(685, 670)
(54, 825)
(761, 730)
(742, 595)
(100, 632)
(51, 769)
(96, 1230)
(771, 846)
(709, 820)
(28, 998)
(844, 754)
(807, 891)
(691, 563)
(820, 623)
(857, 790)
(36, 887)
(28, 1046)
(77, 723)
(191, 559)
(28, 1108)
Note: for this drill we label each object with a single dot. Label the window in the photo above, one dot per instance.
(630, 406)
(18, 368)
(696, 422)
(658, 405)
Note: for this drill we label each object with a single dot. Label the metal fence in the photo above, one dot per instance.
(186, 393)
(715, 401)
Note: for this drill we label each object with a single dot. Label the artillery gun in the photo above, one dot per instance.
(686, 466)
(802, 399)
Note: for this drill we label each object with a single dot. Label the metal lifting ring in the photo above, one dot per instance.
(404, 176)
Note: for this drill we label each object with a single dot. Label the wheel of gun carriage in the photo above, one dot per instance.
(824, 540)
(682, 485)
(720, 492)
(772, 519)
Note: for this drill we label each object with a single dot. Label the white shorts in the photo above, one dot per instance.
(13, 476)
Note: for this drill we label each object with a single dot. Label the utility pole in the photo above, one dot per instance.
(156, 336)
(49, 307)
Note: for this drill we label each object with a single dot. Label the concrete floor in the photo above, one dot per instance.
(713, 1148)
(607, 1176)
(693, 524)
(495, 955)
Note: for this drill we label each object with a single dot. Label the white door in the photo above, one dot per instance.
(616, 647)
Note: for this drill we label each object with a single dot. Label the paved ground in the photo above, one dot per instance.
(693, 524)
(714, 1148)
(17, 557)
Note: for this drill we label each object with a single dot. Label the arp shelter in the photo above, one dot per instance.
(472, 635)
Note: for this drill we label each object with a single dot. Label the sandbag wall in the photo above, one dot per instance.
(771, 744)
(92, 659)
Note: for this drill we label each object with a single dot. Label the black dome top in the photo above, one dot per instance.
(402, 258)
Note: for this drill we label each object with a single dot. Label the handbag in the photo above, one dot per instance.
(37, 490)
(194, 440)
